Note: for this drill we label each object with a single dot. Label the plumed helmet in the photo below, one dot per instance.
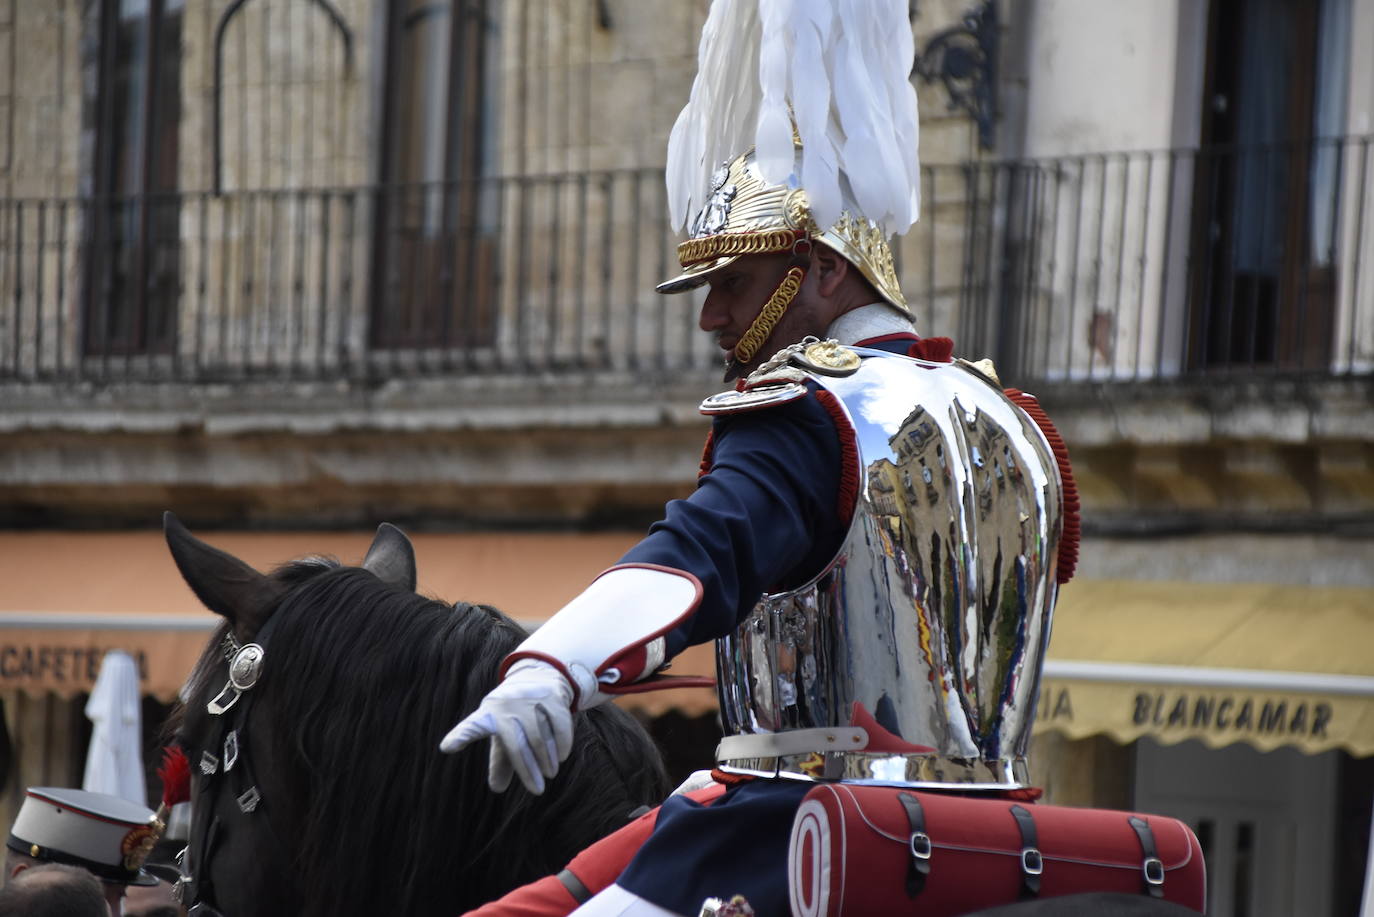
(801, 126)
(744, 214)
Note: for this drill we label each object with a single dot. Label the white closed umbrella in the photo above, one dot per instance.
(114, 761)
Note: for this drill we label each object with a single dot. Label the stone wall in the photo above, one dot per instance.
(40, 98)
(297, 111)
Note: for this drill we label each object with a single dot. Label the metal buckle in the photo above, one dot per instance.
(1032, 864)
(920, 845)
(1153, 868)
(208, 763)
(231, 750)
(226, 698)
(249, 800)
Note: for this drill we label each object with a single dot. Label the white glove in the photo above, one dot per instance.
(609, 637)
(529, 719)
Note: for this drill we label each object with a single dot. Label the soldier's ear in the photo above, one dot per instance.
(831, 269)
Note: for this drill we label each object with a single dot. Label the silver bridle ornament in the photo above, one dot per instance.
(245, 668)
(914, 658)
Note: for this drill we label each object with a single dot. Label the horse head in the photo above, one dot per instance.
(223, 774)
(312, 723)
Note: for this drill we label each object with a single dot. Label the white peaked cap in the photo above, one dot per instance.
(103, 834)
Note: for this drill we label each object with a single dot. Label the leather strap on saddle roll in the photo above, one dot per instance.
(1032, 864)
(610, 639)
(1151, 868)
(919, 843)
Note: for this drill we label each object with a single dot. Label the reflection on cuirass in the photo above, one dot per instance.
(914, 657)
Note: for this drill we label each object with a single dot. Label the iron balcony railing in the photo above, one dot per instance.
(1104, 268)
(1175, 263)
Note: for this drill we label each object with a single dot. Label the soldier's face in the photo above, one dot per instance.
(739, 291)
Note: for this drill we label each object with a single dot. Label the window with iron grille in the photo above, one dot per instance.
(131, 285)
(435, 245)
(1264, 199)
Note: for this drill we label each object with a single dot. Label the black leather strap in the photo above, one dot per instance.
(575, 886)
(1151, 867)
(233, 784)
(1032, 863)
(918, 845)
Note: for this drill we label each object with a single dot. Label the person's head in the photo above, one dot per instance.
(107, 836)
(54, 890)
(17, 864)
(831, 287)
(777, 276)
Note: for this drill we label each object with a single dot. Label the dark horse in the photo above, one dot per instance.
(312, 725)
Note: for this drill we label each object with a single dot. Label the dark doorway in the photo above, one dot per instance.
(435, 247)
(1267, 184)
(134, 270)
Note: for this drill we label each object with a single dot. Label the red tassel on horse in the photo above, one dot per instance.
(175, 774)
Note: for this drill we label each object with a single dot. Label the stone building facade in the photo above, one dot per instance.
(314, 263)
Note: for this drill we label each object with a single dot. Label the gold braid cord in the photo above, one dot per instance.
(769, 315)
(735, 243)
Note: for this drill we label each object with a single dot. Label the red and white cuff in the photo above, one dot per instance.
(611, 638)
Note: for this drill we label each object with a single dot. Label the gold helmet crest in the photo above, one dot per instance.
(746, 215)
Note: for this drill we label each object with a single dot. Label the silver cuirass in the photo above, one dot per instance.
(914, 657)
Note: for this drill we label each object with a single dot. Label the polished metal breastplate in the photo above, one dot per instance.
(914, 657)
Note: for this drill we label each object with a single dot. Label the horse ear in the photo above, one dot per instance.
(223, 583)
(391, 558)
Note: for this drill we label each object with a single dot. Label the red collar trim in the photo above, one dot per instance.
(885, 338)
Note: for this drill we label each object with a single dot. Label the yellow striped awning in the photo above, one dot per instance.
(1270, 665)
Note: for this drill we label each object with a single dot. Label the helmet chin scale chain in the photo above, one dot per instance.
(772, 311)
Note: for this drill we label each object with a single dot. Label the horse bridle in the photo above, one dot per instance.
(232, 766)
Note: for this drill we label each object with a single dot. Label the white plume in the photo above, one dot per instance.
(836, 69)
(774, 136)
(718, 120)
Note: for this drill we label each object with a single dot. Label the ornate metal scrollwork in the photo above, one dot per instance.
(964, 58)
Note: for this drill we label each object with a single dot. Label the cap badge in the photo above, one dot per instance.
(715, 213)
(138, 843)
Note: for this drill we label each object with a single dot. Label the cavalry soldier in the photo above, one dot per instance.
(879, 531)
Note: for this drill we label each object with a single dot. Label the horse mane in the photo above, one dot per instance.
(361, 682)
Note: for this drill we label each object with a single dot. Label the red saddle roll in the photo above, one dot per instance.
(888, 850)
